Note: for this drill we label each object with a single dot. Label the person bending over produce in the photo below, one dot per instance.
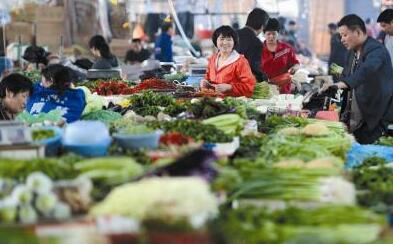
(14, 91)
(100, 49)
(368, 80)
(278, 58)
(228, 72)
(56, 92)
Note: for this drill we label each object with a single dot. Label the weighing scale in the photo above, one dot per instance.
(95, 74)
(16, 141)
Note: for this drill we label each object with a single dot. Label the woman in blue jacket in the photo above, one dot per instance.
(56, 92)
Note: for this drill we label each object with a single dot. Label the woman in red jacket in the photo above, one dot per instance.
(278, 58)
(228, 72)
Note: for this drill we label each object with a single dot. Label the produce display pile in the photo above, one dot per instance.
(214, 167)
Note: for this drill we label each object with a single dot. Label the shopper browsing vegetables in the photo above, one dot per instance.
(368, 80)
(14, 91)
(56, 92)
(228, 72)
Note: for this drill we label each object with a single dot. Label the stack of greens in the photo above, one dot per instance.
(150, 103)
(194, 129)
(374, 181)
(294, 184)
(262, 91)
(330, 224)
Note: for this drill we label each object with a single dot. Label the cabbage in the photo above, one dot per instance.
(93, 101)
(166, 199)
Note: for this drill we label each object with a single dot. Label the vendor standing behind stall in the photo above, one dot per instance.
(100, 49)
(56, 92)
(14, 91)
(228, 72)
(163, 45)
(278, 58)
(137, 53)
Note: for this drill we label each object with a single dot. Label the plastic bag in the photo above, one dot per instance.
(359, 153)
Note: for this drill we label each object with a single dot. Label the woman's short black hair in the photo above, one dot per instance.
(353, 22)
(98, 42)
(15, 83)
(225, 31)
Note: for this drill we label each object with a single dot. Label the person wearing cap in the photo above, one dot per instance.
(250, 45)
(137, 53)
(228, 72)
(278, 58)
(385, 20)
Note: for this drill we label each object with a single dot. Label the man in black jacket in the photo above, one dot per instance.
(368, 77)
(250, 45)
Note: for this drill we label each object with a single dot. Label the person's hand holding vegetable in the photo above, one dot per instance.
(222, 88)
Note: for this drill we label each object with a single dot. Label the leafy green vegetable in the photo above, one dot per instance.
(250, 146)
(283, 184)
(179, 76)
(20, 169)
(149, 98)
(385, 141)
(175, 109)
(38, 135)
(262, 91)
(275, 122)
(105, 116)
(147, 111)
(194, 129)
(374, 180)
(110, 170)
(208, 107)
(330, 224)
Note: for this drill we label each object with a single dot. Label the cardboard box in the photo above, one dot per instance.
(50, 14)
(16, 29)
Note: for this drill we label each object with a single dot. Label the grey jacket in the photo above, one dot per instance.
(372, 82)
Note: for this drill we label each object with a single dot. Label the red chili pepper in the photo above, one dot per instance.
(175, 138)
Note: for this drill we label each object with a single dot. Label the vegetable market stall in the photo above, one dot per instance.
(186, 169)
